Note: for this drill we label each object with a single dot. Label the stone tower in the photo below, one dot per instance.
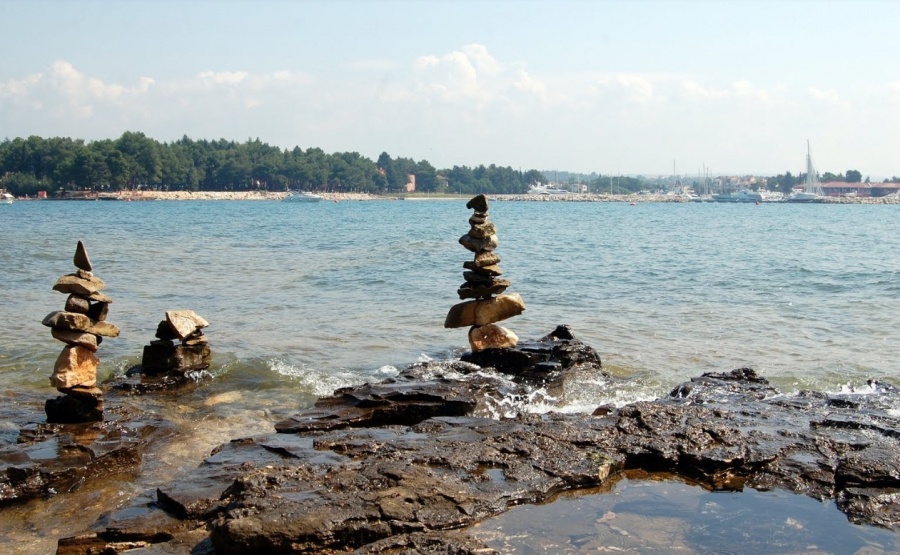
(484, 287)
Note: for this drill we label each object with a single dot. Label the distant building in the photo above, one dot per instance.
(411, 183)
(844, 189)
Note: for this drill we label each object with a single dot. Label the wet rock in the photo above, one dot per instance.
(164, 356)
(51, 459)
(407, 465)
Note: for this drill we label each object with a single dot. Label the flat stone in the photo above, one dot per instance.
(478, 218)
(491, 270)
(477, 277)
(484, 311)
(77, 303)
(79, 322)
(491, 336)
(479, 203)
(72, 283)
(472, 290)
(93, 392)
(75, 366)
(197, 339)
(82, 339)
(99, 297)
(480, 231)
(486, 258)
(476, 244)
(185, 322)
(81, 259)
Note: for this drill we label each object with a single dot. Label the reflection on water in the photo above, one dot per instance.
(671, 516)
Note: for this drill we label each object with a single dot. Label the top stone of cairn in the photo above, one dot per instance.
(81, 259)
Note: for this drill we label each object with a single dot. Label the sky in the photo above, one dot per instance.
(607, 86)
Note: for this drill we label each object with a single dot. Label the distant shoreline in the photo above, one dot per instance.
(338, 197)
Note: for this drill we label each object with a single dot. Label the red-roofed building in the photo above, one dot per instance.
(844, 189)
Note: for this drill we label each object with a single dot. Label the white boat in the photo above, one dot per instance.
(744, 195)
(303, 196)
(544, 190)
(812, 191)
(6, 198)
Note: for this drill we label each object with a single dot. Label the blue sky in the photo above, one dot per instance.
(607, 86)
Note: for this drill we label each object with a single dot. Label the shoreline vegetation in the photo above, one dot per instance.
(341, 196)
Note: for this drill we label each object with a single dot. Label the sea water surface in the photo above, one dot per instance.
(317, 296)
(305, 298)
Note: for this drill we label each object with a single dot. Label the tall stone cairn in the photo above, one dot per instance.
(81, 325)
(484, 287)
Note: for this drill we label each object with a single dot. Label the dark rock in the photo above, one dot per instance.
(409, 464)
(98, 311)
(165, 332)
(137, 381)
(479, 204)
(69, 409)
(477, 290)
(394, 402)
(539, 361)
(163, 356)
(77, 303)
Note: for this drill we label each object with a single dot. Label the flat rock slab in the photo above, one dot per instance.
(47, 459)
(411, 480)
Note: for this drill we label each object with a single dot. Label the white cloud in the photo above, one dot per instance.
(829, 95)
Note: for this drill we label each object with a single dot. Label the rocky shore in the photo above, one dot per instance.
(410, 464)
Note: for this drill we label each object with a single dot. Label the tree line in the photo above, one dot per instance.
(135, 161)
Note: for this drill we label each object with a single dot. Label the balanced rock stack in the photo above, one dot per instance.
(81, 326)
(162, 355)
(484, 287)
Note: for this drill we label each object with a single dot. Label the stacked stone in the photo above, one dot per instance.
(81, 326)
(484, 286)
(193, 353)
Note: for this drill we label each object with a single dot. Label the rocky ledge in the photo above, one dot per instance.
(407, 465)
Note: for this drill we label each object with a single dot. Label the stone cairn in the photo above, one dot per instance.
(81, 326)
(484, 287)
(192, 353)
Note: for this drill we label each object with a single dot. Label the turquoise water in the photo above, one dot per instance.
(304, 298)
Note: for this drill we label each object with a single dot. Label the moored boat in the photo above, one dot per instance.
(744, 195)
(303, 196)
(812, 191)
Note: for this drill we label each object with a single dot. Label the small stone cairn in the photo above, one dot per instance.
(484, 287)
(193, 353)
(81, 326)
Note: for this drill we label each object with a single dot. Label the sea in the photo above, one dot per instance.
(305, 298)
